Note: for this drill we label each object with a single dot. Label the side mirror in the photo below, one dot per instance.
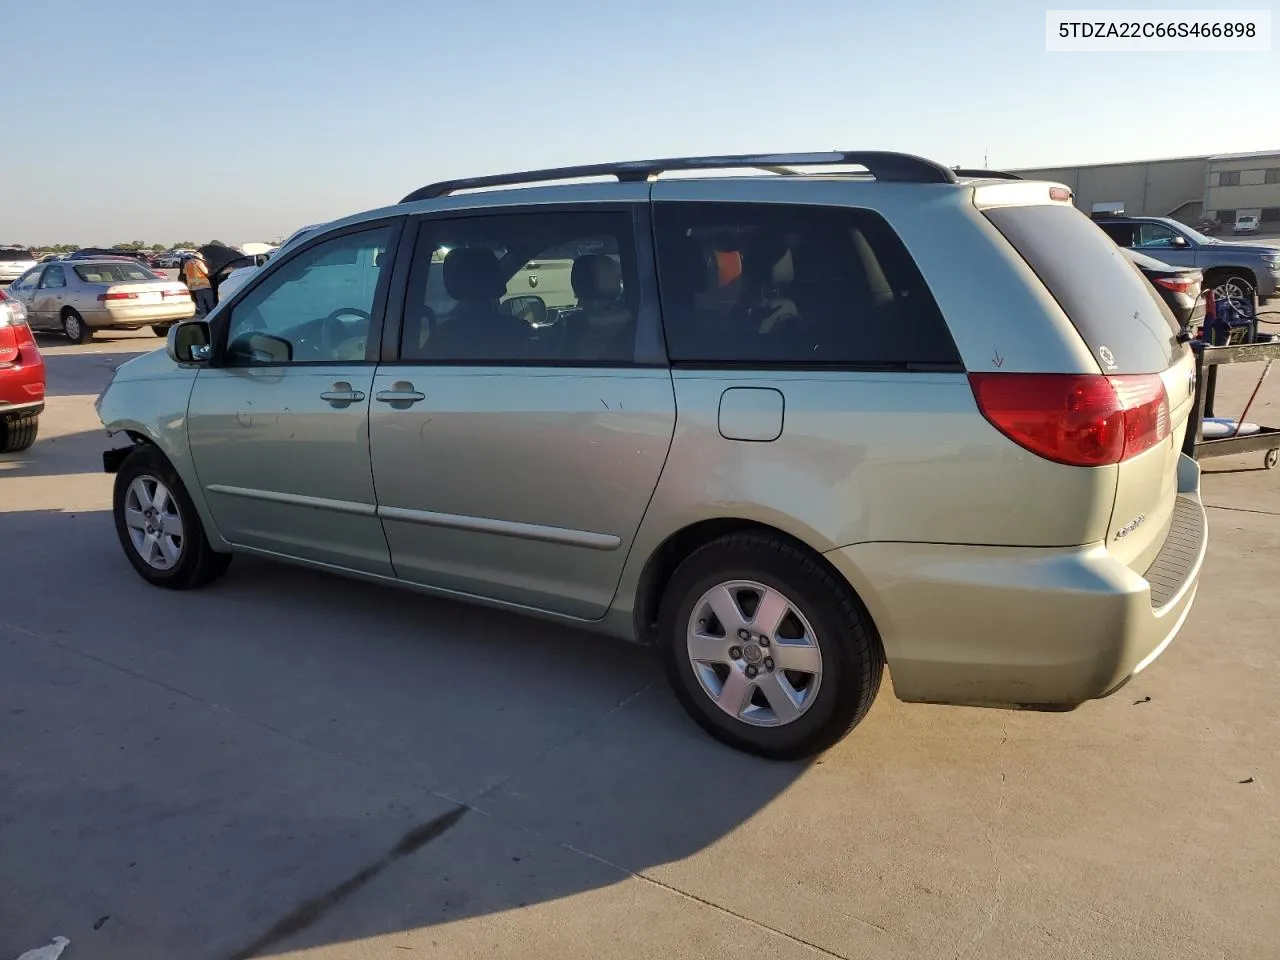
(189, 342)
(1180, 241)
(532, 310)
(260, 348)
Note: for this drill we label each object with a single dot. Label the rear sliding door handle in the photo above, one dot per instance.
(401, 393)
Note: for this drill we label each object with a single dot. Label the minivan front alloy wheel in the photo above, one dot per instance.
(158, 525)
(155, 526)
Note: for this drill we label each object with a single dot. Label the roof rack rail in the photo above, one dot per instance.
(974, 173)
(883, 165)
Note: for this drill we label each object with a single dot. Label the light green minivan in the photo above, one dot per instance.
(787, 427)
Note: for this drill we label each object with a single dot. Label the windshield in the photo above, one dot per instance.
(112, 272)
(12, 255)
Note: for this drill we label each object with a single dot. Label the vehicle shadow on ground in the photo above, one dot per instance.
(288, 759)
(70, 453)
(86, 371)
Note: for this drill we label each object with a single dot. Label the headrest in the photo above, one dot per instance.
(767, 261)
(472, 273)
(596, 277)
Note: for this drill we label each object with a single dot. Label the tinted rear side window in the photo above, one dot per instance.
(12, 255)
(758, 284)
(1121, 318)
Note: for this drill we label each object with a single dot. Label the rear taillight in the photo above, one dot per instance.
(13, 321)
(112, 295)
(1084, 420)
(1187, 285)
(177, 293)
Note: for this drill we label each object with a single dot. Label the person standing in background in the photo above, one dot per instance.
(196, 275)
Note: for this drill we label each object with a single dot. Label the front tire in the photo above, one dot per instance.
(767, 648)
(1235, 289)
(158, 525)
(19, 433)
(73, 325)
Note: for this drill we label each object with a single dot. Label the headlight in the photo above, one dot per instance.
(1272, 258)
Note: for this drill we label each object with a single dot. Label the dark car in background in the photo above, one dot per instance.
(1179, 287)
(1235, 271)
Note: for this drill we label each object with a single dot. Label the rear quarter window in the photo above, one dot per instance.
(1125, 324)
(768, 285)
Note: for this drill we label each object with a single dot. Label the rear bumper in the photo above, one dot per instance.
(141, 316)
(1027, 627)
(14, 411)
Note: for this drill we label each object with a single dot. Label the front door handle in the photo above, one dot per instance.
(342, 395)
(401, 394)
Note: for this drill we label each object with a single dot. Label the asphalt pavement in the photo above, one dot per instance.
(290, 764)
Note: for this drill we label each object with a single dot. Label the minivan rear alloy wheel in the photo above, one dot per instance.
(75, 328)
(158, 525)
(767, 648)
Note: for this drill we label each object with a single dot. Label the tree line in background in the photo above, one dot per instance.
(132, 245)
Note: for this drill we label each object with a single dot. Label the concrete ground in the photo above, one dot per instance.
(289, 764)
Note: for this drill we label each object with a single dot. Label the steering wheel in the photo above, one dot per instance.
(332, 341)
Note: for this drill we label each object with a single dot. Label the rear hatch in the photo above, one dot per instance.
(1134, 339)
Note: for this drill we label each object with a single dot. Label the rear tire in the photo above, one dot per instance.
(158, 525)
(74, 327)
(779, 712)
(19, 433)
(161, 330)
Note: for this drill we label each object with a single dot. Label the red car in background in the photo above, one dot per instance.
(21, 378)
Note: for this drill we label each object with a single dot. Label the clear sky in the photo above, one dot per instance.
(160, 122)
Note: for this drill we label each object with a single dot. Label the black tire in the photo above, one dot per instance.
(198, 562)
(74, 327)
(19, 433)
(851, 653)
(161, 330)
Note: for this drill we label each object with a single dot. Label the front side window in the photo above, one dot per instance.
(316, 307)
(55, 278)
(762, 284)
(523, 288)
(1155, 235)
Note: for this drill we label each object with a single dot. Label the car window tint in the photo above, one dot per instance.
(1125, 323)
(764, 284)
(1121, 233)
(315, 307)
(524, 288)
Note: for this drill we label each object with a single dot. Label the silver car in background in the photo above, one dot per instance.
(80, 297)
(14, 262)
